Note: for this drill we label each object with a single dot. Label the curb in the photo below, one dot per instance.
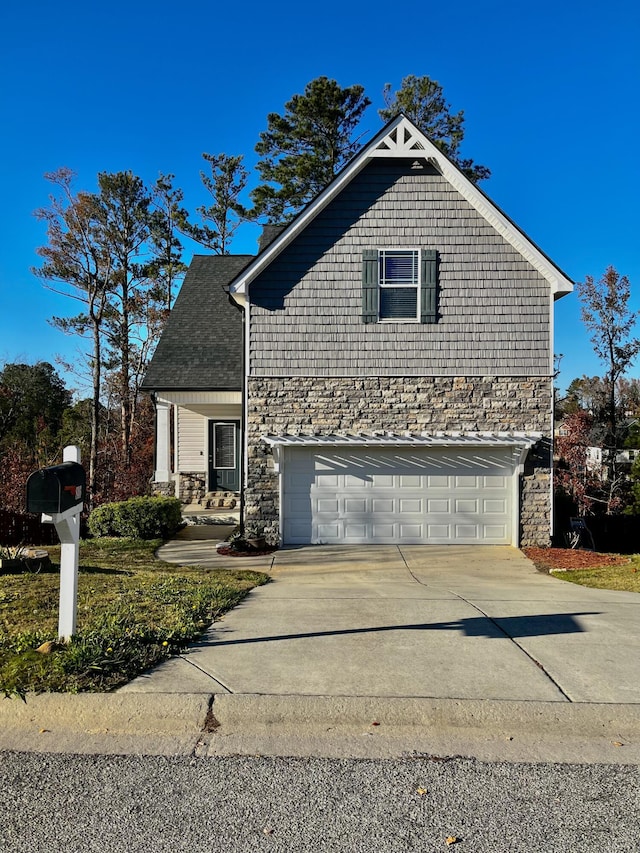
(486, 716)
(433, 729)
(95, 723)
(197, 724)
(117, 713)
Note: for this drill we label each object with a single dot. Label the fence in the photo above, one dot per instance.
(20, 529)
(618, 533)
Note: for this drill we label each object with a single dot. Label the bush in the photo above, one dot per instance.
(102, 520)
(137, 518)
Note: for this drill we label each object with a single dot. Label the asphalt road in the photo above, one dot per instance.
(134, 803)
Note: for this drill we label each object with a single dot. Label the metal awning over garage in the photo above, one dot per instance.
(391, 488)
(394, 439)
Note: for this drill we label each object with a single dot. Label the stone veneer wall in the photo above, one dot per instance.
(163, 489)
(193, 487)
(298, 405)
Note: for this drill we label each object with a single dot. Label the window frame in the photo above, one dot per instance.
(385, 284)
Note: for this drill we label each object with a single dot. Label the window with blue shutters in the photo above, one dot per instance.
(399, 285)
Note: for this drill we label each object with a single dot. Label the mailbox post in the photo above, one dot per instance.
(58, 494)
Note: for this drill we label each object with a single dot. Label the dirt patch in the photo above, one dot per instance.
(568, 560)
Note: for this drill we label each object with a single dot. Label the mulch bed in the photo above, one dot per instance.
(569, 560)
(228, 551)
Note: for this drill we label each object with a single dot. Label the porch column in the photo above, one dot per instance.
(162, 473)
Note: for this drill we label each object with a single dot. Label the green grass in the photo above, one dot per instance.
(625, 578)
(133, 611)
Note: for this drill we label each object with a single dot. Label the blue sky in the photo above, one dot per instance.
(549, 90)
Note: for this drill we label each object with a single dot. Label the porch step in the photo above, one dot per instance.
(219, 500)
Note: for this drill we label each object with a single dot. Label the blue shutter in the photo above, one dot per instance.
(428, 295)
(370, 286)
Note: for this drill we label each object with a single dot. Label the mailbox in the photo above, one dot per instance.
(56, 489)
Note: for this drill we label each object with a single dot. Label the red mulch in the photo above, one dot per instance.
(552, 559)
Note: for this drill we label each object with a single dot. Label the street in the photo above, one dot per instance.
(155, 804)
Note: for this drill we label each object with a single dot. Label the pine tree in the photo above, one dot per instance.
(221, 219)
(422, 100)
(302, 150)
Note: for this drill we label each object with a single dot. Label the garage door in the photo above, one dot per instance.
(397, 495)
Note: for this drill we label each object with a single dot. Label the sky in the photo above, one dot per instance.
(549, 92)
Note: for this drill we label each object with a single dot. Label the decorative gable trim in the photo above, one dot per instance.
(401, 138)
(402, 141)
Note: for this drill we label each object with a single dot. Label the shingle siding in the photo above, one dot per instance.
(306, 308)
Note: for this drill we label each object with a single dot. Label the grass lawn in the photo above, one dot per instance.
(589, 568)
(626, 577)
(133, 611)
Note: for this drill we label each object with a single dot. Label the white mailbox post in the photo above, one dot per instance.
(58, 492)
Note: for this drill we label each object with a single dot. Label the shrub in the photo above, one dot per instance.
(137, 518)
(102, 520)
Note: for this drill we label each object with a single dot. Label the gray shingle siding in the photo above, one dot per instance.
(201, 346)
(493, 306)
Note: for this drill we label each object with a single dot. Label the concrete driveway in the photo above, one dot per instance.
(465, 622)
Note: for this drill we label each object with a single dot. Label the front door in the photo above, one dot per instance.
(224, 456)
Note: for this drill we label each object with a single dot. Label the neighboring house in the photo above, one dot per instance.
(593, 460)
(598, 461)
(627, 457)
(397, 367)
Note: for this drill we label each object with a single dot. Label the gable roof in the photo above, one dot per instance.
(201, 346)
(401, 138)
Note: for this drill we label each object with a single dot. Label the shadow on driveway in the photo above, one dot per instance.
(477, 626)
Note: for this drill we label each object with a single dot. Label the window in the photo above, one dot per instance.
(399, 284)
(224, 446)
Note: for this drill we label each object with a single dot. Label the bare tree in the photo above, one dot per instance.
(116, 253)
(77, 265)
(607, 316)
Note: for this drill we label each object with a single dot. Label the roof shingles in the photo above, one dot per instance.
(201, 346)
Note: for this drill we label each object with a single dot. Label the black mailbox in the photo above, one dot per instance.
(56, 489)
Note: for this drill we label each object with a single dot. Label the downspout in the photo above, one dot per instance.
(552, 436)
(242, 307)
(176, 452)
(243, 419)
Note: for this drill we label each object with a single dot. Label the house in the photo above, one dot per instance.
(601, 461)
(195, 379)
(395, 384)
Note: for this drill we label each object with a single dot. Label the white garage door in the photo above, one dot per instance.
(397, 495)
